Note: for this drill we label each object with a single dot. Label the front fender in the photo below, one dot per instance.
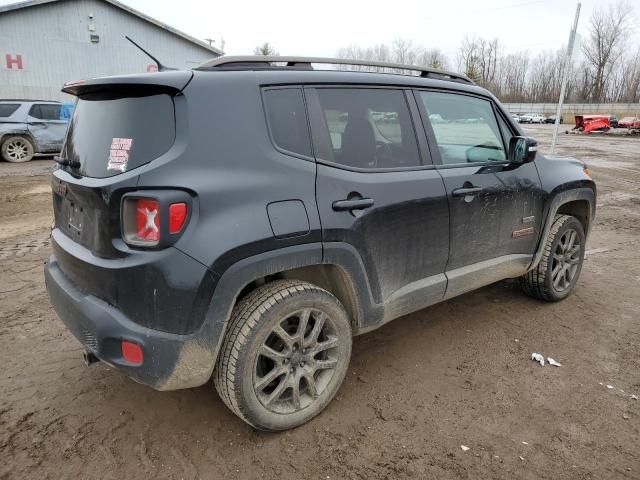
(557, 199)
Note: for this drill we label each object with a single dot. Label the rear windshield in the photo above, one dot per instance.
(7, 109)
(109, 136)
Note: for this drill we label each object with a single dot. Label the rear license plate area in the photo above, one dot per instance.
(75, 218)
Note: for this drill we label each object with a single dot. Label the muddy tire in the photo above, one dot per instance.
(559, 268)
(284, 356)
(17, 149)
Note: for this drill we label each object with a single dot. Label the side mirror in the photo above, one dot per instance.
(522, 149)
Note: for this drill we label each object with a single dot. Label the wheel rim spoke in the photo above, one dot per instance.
(312, 388)
(295, 391)
(284, 336)
(302, 326)
(279, 390)
(315, 332)
(277, 357)
(325, 364)
(326, 345)
(268, 378)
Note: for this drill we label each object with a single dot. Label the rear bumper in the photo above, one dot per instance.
(171, 361)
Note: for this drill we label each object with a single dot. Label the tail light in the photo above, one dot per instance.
(177, 216)
(131, 352)
(147, 220)
(154, 218)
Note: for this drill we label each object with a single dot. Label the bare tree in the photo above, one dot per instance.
(608, 29)
(468, 61)
(432, 57)
(265, 49)
(511, 85)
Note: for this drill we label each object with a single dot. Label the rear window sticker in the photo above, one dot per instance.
(119, 153)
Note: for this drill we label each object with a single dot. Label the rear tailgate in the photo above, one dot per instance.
(118, 125)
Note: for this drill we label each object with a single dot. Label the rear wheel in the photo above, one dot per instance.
(285, 354)
(17, 149)
(559, 268)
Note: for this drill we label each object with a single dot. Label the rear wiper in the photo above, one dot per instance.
(67, 162)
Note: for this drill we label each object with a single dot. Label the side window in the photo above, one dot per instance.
(465, 127)
(506, 131)
(7, 109)
(288, 120)
(45, 112)
(366, 128)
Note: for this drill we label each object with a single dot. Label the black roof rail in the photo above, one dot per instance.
(246, 62)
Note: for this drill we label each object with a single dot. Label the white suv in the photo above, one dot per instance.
(532, 118)
(28, 127)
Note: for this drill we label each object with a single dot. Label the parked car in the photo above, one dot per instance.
(251, 245)
(628, 122)
(28, 127)
(552, 119)
(515, 117)
(613, 121)
(532, 118)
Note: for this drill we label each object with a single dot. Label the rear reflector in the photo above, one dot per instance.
(132, 352)
(148, 220)
(177, 216)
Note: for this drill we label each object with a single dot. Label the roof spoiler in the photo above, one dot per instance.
(137, 84)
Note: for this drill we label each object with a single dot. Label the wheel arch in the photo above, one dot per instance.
(342, 275)
(20, 133)
(577, 202)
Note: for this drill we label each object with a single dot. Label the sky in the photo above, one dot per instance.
(320, 28)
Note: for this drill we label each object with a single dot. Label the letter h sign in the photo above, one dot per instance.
(13, 61)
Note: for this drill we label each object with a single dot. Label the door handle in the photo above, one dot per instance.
(355, 204)
(463, 192)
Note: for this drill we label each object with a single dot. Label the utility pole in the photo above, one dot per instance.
(565, 77)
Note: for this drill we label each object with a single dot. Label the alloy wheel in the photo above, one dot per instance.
(17, 150)
(566, 260)
(296, 362)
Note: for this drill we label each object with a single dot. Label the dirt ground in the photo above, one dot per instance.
(418, 389)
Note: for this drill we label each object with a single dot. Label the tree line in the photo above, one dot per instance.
(606, 67)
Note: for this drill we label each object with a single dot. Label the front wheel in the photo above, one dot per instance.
(285, 354)
(557, 272)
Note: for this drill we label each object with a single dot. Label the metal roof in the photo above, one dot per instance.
(33, 3)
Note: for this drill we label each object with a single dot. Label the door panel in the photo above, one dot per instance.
(483, 224)
(46, 127)
(402, 238)
(376, 191)
(495, 206)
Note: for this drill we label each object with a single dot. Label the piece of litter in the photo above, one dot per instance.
(609, 387)
(521, 458)
(635, 397)
(525, 443)
(553, 362)
(464, 448)
(538, 358)
(625, 416)
(599, 383)
(517, 340)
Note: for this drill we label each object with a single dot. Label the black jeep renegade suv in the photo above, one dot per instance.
(243, 220)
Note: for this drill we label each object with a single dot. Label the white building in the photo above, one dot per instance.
(45, 43)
